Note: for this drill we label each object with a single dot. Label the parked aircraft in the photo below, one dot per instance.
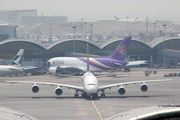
(15, 65)
(78, 64)
(117, 19)
(129, 20)
(89, 86)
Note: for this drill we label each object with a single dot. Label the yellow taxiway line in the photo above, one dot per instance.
(97, 109)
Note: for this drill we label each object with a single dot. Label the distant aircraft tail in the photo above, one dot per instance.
(17, 59)
(116, 18)
(121, 50)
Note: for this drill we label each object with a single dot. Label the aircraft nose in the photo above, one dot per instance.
(91, 89)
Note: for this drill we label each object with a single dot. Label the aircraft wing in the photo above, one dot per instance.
(28, 67)
(15, 69)
(136, 63)
(48, 83)
(127, 83)
(117, 63)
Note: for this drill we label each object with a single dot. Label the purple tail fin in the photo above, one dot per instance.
(121, 50)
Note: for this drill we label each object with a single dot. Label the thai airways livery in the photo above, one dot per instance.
(116, 60)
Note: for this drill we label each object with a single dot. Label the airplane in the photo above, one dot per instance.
(89, 86)
(117, 19)
(129, 20)
(15, 65)
(78, 64)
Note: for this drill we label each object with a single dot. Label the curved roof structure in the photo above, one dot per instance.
(24, 40)
(66, 40)
(101, 45)
(157, 41)
(117, 39)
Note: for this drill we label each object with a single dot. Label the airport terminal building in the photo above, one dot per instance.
(38, 47)
(27, 17)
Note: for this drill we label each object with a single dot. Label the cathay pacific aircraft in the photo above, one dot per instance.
(90, 86)
(15, 65)
(117, 59)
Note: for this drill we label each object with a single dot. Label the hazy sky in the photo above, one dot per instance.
(89, 10)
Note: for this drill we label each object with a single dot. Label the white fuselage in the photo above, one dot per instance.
(65, 62)
(90, 83)
(7, 70)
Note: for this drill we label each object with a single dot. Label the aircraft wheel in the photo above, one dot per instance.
(76, 95)
(102, 95)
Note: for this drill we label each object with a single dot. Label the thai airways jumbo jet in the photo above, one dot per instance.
(117, 59)
(15, 65)
(89, 86)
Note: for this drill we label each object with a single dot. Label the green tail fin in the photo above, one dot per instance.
(18, 58)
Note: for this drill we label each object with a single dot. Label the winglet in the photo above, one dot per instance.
(18, 58)
(121, 50)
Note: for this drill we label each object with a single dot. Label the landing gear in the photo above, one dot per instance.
(91, 97)
(76, 94)
(103, 94)
(84, 95)
(95, 95)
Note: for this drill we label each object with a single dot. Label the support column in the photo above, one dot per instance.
(151, 60)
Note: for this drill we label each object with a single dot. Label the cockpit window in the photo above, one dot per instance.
(91, 84)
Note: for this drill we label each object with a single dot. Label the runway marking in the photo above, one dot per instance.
(81, 113)
(97, 109)
(77, 102)
(111, 107)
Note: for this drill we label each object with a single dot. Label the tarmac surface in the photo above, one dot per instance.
(45, 105)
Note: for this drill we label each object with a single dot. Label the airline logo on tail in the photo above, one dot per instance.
(122, 49)
(18, 58)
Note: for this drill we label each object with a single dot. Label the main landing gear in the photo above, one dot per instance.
(102, 94)
(76, 94)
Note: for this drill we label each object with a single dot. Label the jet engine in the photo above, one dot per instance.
(144, 87)
(35, 89)
(58, 91)
(121, 90)
(52, 70)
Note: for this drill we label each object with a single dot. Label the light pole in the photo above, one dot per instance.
(155, 30)
(91, 31)
(127, 25)
(82, 26)
(147, 29)
(85, 29)
(74, 27)
(164, 25)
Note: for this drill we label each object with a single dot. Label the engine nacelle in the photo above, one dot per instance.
(144, 87)
(58, 91)
(121, 90)
(35, 89)
(53, 70)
